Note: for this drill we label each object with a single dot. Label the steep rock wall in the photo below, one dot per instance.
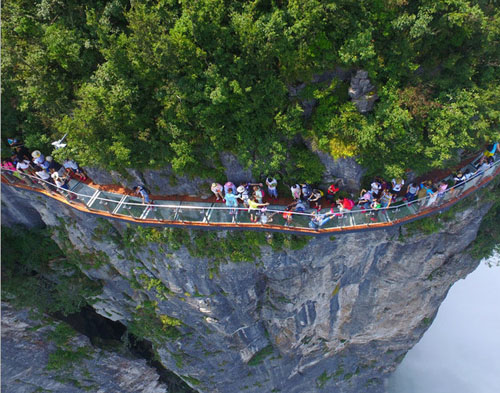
(26, 351)
(337, 315)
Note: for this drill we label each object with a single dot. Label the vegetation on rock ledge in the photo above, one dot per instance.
(36, 273)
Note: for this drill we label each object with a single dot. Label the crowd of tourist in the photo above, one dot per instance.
(250, 196)
(53, 175)
(378, 197)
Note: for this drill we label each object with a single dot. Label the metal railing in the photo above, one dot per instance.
(184, 213)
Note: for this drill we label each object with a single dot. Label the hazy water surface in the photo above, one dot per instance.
(460, 353)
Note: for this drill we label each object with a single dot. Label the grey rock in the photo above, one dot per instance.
(234, 170)
(339, 314)
(362, 92)
(327, 76)
(308, 107)
(25, 356)
(165, 182)
(346, 169)
(294, 91)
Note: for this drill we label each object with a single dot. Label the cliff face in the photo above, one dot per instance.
(165, 182)
(337, 315)
(34, 359)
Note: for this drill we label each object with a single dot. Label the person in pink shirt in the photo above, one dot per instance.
(229, 186)
(10, 171)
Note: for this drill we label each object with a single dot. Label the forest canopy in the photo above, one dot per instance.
(150, 83)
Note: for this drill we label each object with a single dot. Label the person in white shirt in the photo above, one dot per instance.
(296, 191)
(272, 183)
(45, 177)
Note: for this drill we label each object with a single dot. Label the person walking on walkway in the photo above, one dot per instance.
(231, 202)
(144, 194)
(295, 189)
(74, 169)
(271, 184)
(318, 219)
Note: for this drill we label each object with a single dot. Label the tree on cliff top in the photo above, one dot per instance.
(146, 83)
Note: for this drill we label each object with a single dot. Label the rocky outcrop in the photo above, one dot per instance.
(337, 315)
(308, 105)
(362, 92)
(346, 169)
(26, 350)
(159, 181)
(165, 182)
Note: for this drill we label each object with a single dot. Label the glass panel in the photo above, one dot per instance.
(301, 221)
(363, 216)
(132, 206)
(164, 213)
(192, 215)
(84, 192)
(106, 201)
(219, 215)
(243, 216)
(276, 216)
(491, 171)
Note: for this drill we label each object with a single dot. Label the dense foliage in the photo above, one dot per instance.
(147, 83)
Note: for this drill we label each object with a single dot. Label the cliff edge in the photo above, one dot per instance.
(255, 312)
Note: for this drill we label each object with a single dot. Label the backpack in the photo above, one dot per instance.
(143, 188)
(306, 190)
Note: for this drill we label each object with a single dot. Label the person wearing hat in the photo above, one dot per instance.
(217, 188)
(45, 179)
(54, 166)
(39, 159)
(229, 186)
(242, 194)
(62, 184)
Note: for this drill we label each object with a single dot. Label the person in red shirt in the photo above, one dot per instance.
(330, 193)
(345, 205)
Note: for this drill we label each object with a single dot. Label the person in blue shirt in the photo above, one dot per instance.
(231, 201)
(143, 193)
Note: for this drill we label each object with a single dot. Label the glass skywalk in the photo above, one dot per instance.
(131, 208)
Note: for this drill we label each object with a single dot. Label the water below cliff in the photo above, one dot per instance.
(459, 352)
